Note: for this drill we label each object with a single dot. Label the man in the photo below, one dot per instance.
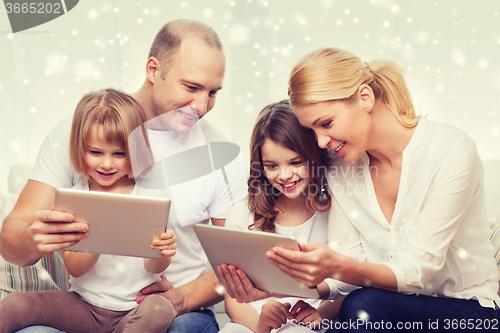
(184, 72)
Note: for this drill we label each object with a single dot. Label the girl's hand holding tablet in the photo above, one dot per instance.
(238, 285)
(166, 243)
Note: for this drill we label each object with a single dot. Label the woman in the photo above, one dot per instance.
(408, 218)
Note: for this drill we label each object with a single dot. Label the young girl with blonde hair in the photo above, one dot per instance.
(103, 290)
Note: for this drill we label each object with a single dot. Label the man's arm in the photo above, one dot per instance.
(32, 230)
(199, 293)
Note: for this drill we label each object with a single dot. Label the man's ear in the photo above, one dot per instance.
(152, 69)
(366, 97)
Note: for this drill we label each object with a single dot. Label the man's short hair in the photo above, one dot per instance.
(168, 40)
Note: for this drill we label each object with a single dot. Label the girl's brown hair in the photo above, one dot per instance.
(118, 113)
(277, 122)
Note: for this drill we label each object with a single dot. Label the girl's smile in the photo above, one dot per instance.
(106, 162)
(285, 169)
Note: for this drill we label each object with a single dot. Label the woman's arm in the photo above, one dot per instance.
(423, 252)
(79, 263)
(316, 262)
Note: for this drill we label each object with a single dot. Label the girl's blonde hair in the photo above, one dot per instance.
(333, 74)
(118, 114)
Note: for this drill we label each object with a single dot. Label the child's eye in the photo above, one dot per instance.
(297, 163)
(270, 166)
(95, 152)
(120, 154)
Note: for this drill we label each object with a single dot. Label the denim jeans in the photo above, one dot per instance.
(377, 310)
(201, 321)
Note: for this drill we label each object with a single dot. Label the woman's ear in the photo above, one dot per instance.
(366, 97)
(152, 69)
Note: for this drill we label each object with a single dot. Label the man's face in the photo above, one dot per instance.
(189, 88)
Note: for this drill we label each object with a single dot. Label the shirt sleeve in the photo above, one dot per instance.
(230, 189)
(239, 217)
(456, 184)
(53, 165)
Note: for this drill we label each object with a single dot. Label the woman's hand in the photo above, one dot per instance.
(166, 243)
(273, 315)
(238, 285)
(310, 266)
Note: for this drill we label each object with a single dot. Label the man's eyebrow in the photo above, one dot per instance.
(199, 85)
(191, 83)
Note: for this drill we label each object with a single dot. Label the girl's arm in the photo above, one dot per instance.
(241, 313)
(330, 309)
(79, 263)
(167, 245)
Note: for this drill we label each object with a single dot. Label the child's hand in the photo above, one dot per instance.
(166, 243)
(306, 314)
(273, 315)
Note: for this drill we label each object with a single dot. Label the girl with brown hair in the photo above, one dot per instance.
(287, 195)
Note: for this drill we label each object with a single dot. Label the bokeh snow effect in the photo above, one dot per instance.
(449, 49)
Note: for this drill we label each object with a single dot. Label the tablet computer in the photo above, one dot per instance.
(246, 249)
(119, 224)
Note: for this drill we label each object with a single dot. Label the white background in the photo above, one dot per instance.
(450, 50)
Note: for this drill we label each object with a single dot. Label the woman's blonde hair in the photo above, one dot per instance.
(333, 74)
(119, 114)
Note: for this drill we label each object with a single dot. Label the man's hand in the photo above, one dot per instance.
(238, 285)
(55, 230)
(32, 230)
(167, 290)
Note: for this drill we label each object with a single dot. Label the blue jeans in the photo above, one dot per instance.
(387, 311)
(201, 321)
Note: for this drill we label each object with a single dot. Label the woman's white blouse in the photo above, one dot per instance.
(438, 240)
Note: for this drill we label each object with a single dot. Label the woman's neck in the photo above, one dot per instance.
(389, 137)
(124, 185)
(293, 212)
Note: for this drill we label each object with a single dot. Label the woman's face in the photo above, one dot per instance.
(339, 126)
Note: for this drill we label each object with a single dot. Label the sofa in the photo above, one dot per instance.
(49, 273)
